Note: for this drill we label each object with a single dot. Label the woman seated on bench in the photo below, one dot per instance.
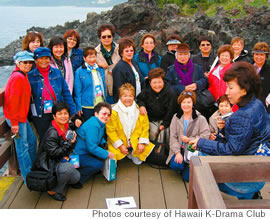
(245, 130)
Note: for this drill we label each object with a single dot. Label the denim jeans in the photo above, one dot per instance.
(183, 168)
(25, 147)
(89, 166)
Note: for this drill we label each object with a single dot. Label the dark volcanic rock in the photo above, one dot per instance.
(137, 17)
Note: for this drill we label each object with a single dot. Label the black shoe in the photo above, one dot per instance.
(77, 185)
(58, 196)
(257, 195)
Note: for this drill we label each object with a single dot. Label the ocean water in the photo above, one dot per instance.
(16, 20)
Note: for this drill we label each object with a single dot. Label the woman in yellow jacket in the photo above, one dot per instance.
(128, 130)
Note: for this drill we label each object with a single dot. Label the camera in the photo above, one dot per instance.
(69, 135)
(226, 116)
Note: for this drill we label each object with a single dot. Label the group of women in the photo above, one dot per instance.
(63, 82)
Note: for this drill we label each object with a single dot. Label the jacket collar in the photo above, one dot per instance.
(180, 113)
(37, 73)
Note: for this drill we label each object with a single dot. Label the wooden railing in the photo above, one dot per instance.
(207, 171)
(5, 147)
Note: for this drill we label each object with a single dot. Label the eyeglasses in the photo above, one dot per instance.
(106, 36)
(72, 39)
(105, 114)
(207, 44)
(187, 93)
(27, 62)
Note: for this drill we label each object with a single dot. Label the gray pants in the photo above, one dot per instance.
(66, 174)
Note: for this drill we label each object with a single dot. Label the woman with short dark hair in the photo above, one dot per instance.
(55, 149)
(126, 70)
(158, 100)
(248, 126)
(91, 140)
(60, 60)
(107, 55)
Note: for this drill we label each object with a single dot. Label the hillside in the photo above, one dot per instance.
(235, 8)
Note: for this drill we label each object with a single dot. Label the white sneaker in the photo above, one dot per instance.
(136, 160)
(129, 156)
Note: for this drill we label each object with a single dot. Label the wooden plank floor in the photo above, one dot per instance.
(151, 188)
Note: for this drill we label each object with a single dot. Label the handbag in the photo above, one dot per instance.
(160, 152)
(109, 169)
(42, 176)
(204, 99)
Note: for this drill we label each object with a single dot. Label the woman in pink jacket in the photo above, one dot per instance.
(217, 86)
(60, 60)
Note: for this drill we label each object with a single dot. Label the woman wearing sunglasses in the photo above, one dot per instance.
(128, 130)
(107, 55)
(17, 96)
(186, 125)
(90, 142)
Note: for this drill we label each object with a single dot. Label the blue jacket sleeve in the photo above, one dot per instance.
(78, 91)
(92, 142)
(238, 131)
(175, 84)
(201, 80)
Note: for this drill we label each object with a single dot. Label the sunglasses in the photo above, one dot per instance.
(106, 36)
(207, 44)
(187, 93)
(27, 62)
(106, 114)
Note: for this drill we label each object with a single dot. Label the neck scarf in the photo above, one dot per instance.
(186, 77)
(128, 117)
(43, 70)
(108, 55)
(59, 130)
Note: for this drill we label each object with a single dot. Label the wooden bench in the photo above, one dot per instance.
(207, 171)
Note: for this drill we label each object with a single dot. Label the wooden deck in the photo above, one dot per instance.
(151, 189)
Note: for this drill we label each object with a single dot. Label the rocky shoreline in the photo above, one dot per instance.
(136, 17)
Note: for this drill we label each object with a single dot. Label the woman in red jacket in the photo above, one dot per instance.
(217, 86)
(16, 107)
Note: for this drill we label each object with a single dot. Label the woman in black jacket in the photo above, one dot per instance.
(55, 150)
(158, 100)
(126, 70)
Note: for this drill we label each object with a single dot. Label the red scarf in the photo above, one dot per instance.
(45, 73)
(59, 130)
(235, 107)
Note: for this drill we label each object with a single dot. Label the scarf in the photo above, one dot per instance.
(186, 77)
(90, 67)
(108, 55)
(59, 130)
(128, 117)
(46, 95)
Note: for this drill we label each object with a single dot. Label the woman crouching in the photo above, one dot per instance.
(57, 147)
(128, 130)
(186, 125)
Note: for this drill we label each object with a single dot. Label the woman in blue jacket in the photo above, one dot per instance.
(147, 58)
(75, 54)
(246, 129)
(47, 86)
(89, 85)
(90, 142)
